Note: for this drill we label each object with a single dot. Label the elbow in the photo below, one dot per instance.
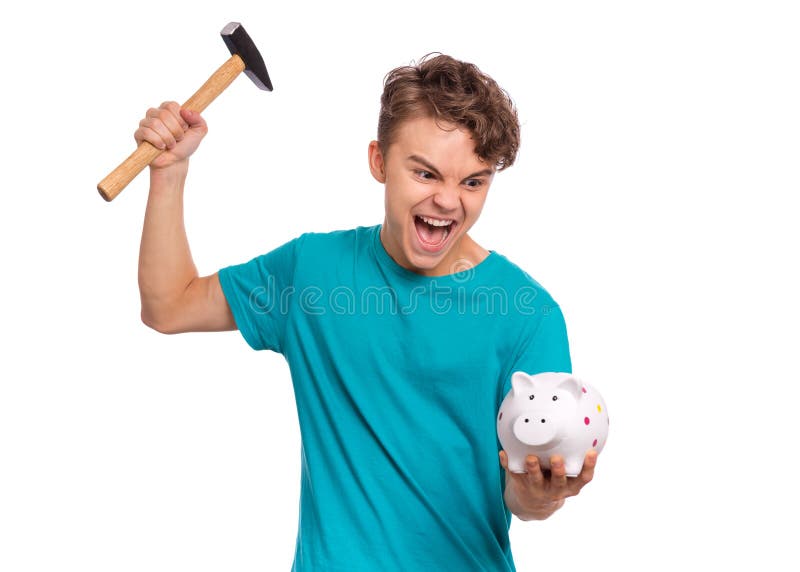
(154, 323)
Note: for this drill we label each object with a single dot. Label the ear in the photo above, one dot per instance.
(377, 166)
(573, 385)
(520, 383)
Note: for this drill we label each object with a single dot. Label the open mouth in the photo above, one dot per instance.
(432, 232)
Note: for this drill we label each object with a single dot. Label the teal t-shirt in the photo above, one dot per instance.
(397, 378)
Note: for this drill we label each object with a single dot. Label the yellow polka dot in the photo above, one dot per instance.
(599, 409)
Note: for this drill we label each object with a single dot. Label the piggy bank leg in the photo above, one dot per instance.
(573, 467)
(516, 463)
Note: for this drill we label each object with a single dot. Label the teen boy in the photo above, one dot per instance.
(401, 338)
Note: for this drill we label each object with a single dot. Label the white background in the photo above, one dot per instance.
(654, 196)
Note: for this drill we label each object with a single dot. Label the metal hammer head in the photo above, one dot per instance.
(239, 43)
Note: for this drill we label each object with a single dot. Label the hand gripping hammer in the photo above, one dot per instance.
(245, 58)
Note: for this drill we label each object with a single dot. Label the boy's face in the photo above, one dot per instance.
(435, 188)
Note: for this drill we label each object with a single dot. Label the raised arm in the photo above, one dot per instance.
(174, 298)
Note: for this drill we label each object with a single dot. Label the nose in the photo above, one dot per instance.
(535, 428)
(447, 197)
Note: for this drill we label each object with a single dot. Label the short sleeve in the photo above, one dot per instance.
(547, 349)
(256, 292)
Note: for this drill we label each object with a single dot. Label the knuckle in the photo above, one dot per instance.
(173, 108)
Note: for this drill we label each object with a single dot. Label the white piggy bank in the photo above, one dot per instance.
(551, 414)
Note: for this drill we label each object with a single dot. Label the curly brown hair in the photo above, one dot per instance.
(455, 92)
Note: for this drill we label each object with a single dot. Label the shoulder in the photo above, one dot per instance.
(321, 255)
(339, 237)
(519, 281)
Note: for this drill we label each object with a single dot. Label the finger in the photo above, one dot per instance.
(558, 473)
(149, 135)
(504, 460)
(175, 110)
(169, 115)
(194, 120)
(535, 476)
(157, 125)
(587, 472)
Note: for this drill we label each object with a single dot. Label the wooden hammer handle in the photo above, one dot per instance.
(119, 178)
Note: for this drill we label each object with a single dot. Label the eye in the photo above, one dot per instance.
(555, 398)
(422, 174)
(474, 183)
(531, 397)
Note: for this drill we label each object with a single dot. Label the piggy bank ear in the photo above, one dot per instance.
(573, 385)
(521, 383)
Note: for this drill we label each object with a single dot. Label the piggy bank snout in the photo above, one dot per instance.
(535, 428)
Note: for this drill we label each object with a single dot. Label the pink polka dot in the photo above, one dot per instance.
(595, 443)
(586, 420)
(584, 390)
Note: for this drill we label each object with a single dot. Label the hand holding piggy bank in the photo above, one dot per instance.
(551, 414)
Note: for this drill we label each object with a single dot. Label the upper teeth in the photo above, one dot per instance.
(434, 222)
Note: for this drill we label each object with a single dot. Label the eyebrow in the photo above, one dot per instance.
(436, 172)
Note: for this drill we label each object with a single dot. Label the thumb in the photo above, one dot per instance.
(194, 120)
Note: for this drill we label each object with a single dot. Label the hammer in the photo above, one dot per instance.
(245, 58)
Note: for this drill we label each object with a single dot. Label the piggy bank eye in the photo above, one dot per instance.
(555, 398)
(531, 397)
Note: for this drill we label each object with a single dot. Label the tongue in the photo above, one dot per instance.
(428, 233)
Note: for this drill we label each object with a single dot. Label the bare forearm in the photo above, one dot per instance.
(165, 262)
